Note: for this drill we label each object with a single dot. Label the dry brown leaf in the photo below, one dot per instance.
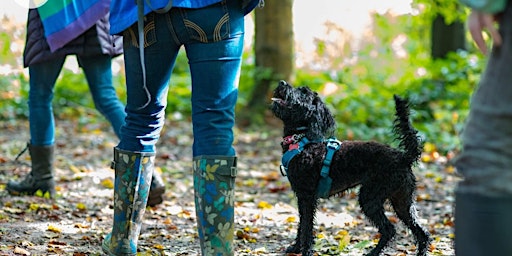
(18, 250)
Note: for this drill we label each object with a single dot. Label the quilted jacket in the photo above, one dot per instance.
(95, 41)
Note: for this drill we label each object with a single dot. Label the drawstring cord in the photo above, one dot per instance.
(140, 28)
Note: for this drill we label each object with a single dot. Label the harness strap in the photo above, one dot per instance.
(325, 183)
(324, 186)
(294, 150)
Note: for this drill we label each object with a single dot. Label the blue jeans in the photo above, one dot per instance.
(213, 40)
(43, 76)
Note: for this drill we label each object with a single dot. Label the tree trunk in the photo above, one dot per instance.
(274, 43)
(446, 38)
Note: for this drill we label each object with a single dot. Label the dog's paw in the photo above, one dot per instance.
(293, 249)
(308, 253)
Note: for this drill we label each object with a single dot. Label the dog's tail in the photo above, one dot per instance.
(407, 134)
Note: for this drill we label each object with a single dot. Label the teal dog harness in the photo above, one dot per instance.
(296, 145)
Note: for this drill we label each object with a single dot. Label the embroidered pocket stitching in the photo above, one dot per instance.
(202, 35)
(216, 34)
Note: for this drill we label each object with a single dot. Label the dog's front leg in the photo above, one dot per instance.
(295, 247)
(307, 209)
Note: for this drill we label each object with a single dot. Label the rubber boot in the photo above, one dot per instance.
(40, 177)
(133, 172)
(157, 190)
(483, 225)
(214, 182)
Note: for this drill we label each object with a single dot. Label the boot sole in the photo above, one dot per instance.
(107, 251)
(30, 193)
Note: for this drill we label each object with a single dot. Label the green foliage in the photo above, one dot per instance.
(397, 61)
(441, 98)
(357, 81)
(451, 10)
(13, 96)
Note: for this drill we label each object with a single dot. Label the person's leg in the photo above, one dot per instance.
(484, 198)
(98, 72)
(131, 187)
(42, 130)
(145, 111)
(215, 56)
(42, 82)
(145, 106)
(214, 95)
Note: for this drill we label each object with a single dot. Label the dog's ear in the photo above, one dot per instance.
(321, 121)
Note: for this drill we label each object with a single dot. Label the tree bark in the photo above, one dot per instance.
(446, 38)
(274, 54)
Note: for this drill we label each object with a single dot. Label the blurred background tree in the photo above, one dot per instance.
(274, 56)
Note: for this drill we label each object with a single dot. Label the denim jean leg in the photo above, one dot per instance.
(145, 107)
(98, 71)
(42, 82)
(215, 59)
(214, 97)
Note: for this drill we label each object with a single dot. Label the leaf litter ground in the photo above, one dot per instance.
(266, 217)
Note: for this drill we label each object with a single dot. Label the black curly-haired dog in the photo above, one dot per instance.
(383, 173)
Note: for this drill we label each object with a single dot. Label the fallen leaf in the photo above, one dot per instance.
(344, 239)
(393, 219)
(291, 219)
(81, 207)
(277, 189)
(264, 205)
(107, 183)
(74, 169)
(18, 250)
(80, 225)
(54, 229)
(55, 242)
(33, 207)
(12, 210)
(272, 176)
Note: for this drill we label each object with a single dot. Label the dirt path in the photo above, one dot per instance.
(77, 220)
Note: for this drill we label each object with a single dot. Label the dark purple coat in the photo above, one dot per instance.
(95, 41)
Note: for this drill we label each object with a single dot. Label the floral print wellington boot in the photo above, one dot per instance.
(214, 182)
(133, 172)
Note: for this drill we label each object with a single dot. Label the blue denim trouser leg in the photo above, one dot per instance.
(213, 40)
(42, 82)
(98, 72)
(214, 97)
(43, 76)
